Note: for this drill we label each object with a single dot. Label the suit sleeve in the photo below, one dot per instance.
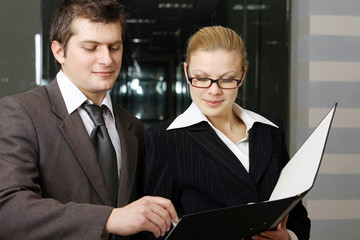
(24, 213)
(158, 173)
(158, 178)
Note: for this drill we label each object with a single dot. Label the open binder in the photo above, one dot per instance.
(242, 222)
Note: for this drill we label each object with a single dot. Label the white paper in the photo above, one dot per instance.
(299, 174)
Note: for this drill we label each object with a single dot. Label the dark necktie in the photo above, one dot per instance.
(104, 149)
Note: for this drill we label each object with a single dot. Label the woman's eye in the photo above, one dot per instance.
(201, 79)
(227, 80)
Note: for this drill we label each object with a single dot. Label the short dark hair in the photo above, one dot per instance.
(97, 11)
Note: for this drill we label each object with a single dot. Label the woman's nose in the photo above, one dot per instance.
(214, 88)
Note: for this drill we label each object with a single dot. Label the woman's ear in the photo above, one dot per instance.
(185, 72)
(243, 76)
(58, 51)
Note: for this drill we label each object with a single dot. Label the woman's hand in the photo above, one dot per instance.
(281, 232)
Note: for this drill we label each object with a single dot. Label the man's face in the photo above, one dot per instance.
(93, 57)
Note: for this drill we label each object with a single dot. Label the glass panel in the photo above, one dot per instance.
(142, 90)
(264, 26)
(20, 46)
(48, 61)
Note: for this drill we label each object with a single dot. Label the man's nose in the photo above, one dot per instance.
(105, 56)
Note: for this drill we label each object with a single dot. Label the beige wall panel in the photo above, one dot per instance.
(333, 209)
(340, 164)
(335, 25)
(335, 71)
(344, 117)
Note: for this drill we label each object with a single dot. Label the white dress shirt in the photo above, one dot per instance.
(74, 99)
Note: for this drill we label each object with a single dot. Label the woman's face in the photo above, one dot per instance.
(214, 102)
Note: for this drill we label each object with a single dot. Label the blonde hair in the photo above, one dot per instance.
(214, 38)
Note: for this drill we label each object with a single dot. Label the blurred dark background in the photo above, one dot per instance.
(151, 84)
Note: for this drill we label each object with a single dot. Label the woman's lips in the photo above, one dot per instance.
(213, 103)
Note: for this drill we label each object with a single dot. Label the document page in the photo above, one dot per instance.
(299, 174)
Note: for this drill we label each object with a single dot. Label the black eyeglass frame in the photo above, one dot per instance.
(215, 80)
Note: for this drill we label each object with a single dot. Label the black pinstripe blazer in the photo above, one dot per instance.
(198, 172)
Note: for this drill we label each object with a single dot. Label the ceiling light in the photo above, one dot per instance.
(239, 6)
(176, 5)
(164, 33)
(140, 40)
(257, 7)
(140, 20)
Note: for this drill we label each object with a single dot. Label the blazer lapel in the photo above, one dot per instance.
(75, 133)
(260, 149)
(207, 138)
(129, 153)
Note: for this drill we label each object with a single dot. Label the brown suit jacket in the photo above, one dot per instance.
(51, 184)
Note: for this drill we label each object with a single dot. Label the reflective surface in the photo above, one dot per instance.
(152, 83)
(142, 89)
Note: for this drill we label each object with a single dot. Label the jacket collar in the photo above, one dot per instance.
(129, 153)
(76, 135)
(216, 151)
(202, 131)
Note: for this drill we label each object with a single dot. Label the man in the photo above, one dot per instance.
(52, 184)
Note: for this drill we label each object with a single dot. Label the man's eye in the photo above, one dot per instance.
(90, 49)
(115, 47)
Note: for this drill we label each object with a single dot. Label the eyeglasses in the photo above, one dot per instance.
(222, 83)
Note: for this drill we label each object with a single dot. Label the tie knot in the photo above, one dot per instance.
(96, 114)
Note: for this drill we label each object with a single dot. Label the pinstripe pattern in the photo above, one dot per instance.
(325, 60)
(198, 172)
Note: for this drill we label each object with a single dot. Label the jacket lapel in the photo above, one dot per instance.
(207, 138)
(129, 153)
(260, 149)
(75, 133)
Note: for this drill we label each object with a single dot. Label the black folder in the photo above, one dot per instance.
(242, 222)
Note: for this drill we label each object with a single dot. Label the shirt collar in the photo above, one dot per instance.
(74, 98)
(250, 117)
(193, 115)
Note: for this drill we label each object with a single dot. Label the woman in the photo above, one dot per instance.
(217, 154)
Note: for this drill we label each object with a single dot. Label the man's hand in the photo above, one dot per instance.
(153, 214)
(281, 232)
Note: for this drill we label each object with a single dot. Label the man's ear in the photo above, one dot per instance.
(58, 51)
